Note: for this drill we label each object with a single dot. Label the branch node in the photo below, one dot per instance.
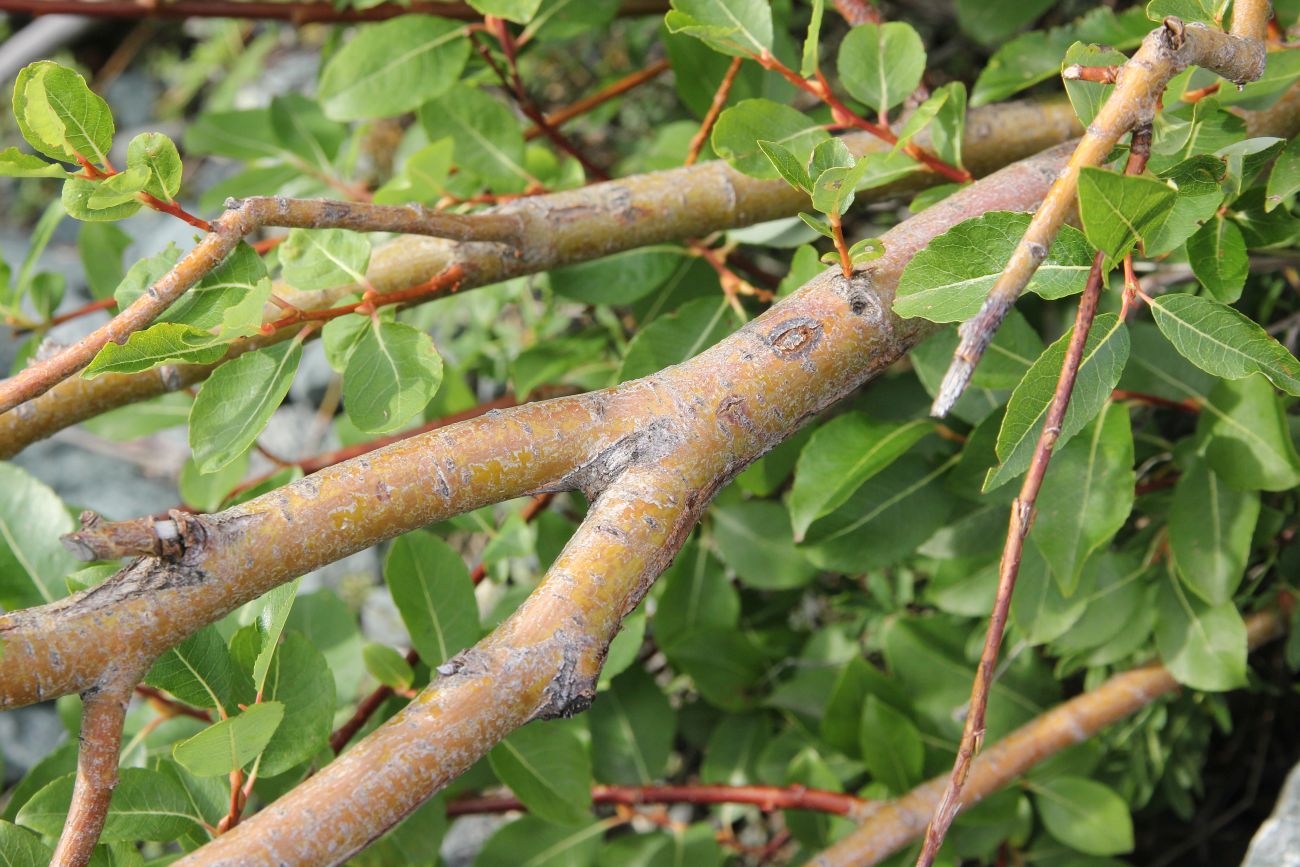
(168, 540)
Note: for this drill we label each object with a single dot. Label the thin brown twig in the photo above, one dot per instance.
(298, 13)
(715, 108)
(170, 706)
(1098, 74)
(559, 117)
(1022, 513)
(857, 12)
(84, 310)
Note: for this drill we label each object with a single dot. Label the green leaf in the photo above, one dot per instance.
(697, 596)
(1085, 815)
(146, 805)
(392, 375)
(1200, 193)
(1283, 180)
(77, 196)
(206, 493)
(1086, 496)
(1042, 608)
(787, 165)
(157, 155)
(866, 250)
(1210, 530)
(887, 518)
(276, 606)
(19, 847)
(387, 666)
(547, 845)
(560, 360)
(423, 177)
(16, 164)
(834, 189)
(432, 591)
(1217, 254)
(230, 744)
(740, 28)
(920, 119)
(1118, 210)
(1203, 646)
(60, 115)
(161, 343)
(488, 140)
(237, 401)
(949, 279)
(518, 11)
(810, 60)
(621, 278)
(198, 671)
(546, 765)
(300, 679)
(680, 335)
(842, 454)
(891, 746)
(632, 730)
(101, 246)
(324, 258)
(1104, 356)
(32, 560)
(949, 128)
(119, 189)
(741, 127)
(1183, 133)
(881, 64)
(231, 295)
(1248, 442)
(1188, 10)
(753, 538)
(393, 67)
(1221, 341)
(143, 274)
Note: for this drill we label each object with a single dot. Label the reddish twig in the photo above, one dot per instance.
(766, 798)
(1202, 92)
(446, 282)
(715, 109)
(169, 706)
(857, 12)
(298, 13)
(1188, 405)
(1098, 74)
(562, 116)
(84, 310)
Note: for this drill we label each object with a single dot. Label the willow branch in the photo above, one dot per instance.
(241, 218)
(766, 798)
(1139, 87)
(103, 712)
(563, 229)
(897, 823)
(1022, 516)
(593, 101)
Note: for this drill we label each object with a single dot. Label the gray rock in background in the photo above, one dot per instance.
(1277, 842)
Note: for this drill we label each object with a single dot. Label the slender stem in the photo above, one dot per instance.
(715, 109)
(841, 246)
(857, 12)
(766, 798)
(84, 310)
(170, 706)
(299, 13)
(445, 283)
(103, 712)
(562, 116)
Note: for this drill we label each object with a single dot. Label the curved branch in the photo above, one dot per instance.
(103, 712)
(563, 229)
(895, 824)
(302, 12)
(1139, 87)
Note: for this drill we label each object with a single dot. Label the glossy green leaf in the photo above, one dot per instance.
(60, 115)
(206, 492)
(392, 374)
(77, 195)
(1086, 496)
(1283, 180)
(1221, 341)
(1085, 815)
(518, 11)
(736, 27)
(387, 666)
(324, 258)
(787, 165)
(276, 606)
(393, 67)
(1203, 646)
(1104, 355)
(949, 279)
(1217, 254)
(810, 59)
(697, 596)
(1183, 133)
(753, 538)
(161, 343)
(156, 154)
(674, 338)
(146, 805)
(992, 21)
(632, 730)
(488, 139)
(433, 593)
(740, 128)
(548, 845)
(231, 295)
(16, 164)
(198, 671)
(1118, 211)
(299, 678)
(423, 177)
(32, 560)
(121, 188)
(19, 847)
(881, 64)
(621, 278)
(1087, 97)
(547, 767)
(238, 400)
(1210, 530)
(842, 454)
(231, 743)
(1199, 195)
(1248, 441)
(1041, 609)
(891, 746)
